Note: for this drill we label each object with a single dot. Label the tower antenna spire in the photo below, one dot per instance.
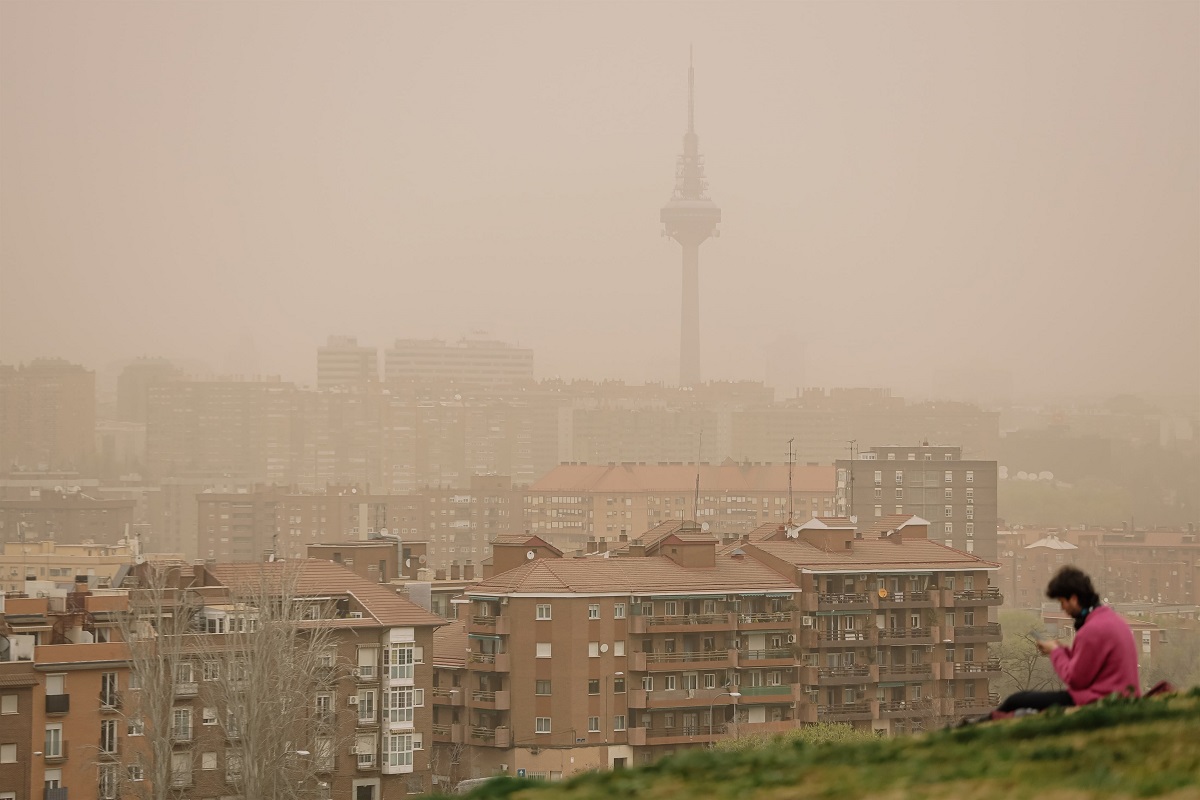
(691, 93)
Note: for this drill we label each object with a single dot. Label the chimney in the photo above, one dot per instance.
(439, 575)
(624, 537)
(637, 550)
(468, 572)
(454, 571)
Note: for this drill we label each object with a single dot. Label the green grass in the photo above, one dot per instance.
(1114, 749)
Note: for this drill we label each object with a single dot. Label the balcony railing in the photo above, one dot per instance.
(971, 667)
(483, 658)
(844, 710)
(899, 706)
(57, 793)
(990, 629)
(858, 635)
(990, 593)
(684, 658)
(905, 597)
(441, 730)
(906, 670)
(58, 703)
(687, 619)
(841, 598)
(759, 618)
(766, 655)
(187, 689)
(844, 672)
(905, 633)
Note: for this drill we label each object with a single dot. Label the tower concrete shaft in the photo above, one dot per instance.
(690, 218)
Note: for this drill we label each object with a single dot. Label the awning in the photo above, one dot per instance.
(491, 636)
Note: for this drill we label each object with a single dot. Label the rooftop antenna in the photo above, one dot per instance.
(696, 501)
(853, 447)
(791, 498)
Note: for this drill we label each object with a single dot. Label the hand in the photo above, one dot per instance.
(1048, 646)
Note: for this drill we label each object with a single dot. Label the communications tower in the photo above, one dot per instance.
(690, 218)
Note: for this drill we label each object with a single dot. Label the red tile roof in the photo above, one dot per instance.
(872, 555)
(317, 577)
(730, 478)
(631, 575)
(450, 644)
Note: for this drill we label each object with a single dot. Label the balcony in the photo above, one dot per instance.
(766, 621)
(978, 669)
(492, 737)
(685, 698)
(500, 626)
(58, 703)
(846, 676)
(453, 697)
(846, 601)
(365, 761)
(490, 662)
(755, 695)
(842, 638)
(908, 600)
(636, 737)
(187, 689)
(684, 734)
(780, 657)
(976, 705)
(55, 756)
(900, 709)
(642, 662)
(978, 633)
(905, 636)
(636, 698)
(846, 712)
(907, 672)
(59, 793)
(490, 700)
(691, 623)
(979, 597)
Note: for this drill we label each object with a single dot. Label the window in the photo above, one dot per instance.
(593, 686)
(970, 529)
(619, 685)
(324, 707)
(949, 527)
(541, 687)
(208, 717)
(135, 680)
(648, 683)
(879, 511)
(594, 611)
(181, 769)
(54, 741)
(136, 772)
(593, 724)
(710, 680)
(899, 477)
(233, 766)
(183, 672)
(543, 650)
(619, 647)
(949, 512)
(364, 747)
(208, 760)
(212, 671)
(8, 704)
(970, 545)
(108, 782)
(543, 611)
(949, 476)
(541, 725)
(618, 611)
(593, 649)
(398, 660)
(108, 689)
(368, 657)
(8, 753)
(398, 749)
(879, 477)
(970, 476)
(134, 726)
(899, 494)
(618, 722)
(669, 682)
(899, 509)
(399, 702)
(670, 608)
(108, 736)
(949, 493)
(181, 724)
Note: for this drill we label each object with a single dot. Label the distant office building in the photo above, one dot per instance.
(466, 362)
(576, 502)
(345, 364)
(66, 517)
(956, 496)
(133, 386)
(47, 416)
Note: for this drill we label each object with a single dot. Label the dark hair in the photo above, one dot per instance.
(1072, 581)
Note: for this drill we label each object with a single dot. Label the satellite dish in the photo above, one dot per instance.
(383, 531)
(883, 592)
(421, 560)
(603, 648)
(530, 554)
(408, 562)
(705, 526)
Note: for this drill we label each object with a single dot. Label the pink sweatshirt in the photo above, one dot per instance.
(1101, 661)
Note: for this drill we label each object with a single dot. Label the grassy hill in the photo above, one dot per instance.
(1148, 748)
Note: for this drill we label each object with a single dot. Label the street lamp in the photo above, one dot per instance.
(734, 695)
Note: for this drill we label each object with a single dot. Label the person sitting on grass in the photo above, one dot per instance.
(1101, 661)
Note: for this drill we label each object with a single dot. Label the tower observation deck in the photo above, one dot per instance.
(690, 218)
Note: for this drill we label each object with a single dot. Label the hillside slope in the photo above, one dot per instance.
(1148, 748)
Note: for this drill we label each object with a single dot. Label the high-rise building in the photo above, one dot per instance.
(957, 496)
(342, 363)
(65, 516)
(468, 362)
(690, 218)
(47, 416)
(133, 386)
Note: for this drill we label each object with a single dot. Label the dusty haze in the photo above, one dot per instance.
(905, 186)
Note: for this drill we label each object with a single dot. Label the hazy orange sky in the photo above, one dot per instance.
(905, 186)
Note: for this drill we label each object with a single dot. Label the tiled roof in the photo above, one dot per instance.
(18, 680)
(450, 644)
(683, 530)
(316, 577)
(872, 554)
(522, 540)
(731, 478)
(631, 575)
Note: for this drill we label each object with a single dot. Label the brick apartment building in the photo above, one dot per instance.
(58, 563)
(47, 416)
(577, 502)
(65, 516)
(957, 496)
(671, 640)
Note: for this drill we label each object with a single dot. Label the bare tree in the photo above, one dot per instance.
(1022, 666)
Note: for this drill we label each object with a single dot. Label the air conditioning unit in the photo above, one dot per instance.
(352, 700)
(504, 767)
(807, 622)
(356, 615)
(353, 749)
(791, 638)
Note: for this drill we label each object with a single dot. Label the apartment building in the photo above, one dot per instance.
(577, 502)
(342, 363)
(133, 386)
(63, 670)
(51, 561)
(675, 641)
(47, 416)
(466, 362)
(66, 516)
(957, 496)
